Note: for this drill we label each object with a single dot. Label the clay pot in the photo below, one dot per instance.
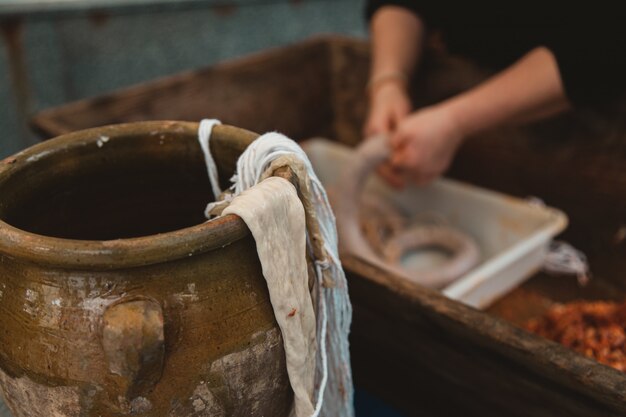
(117, 297)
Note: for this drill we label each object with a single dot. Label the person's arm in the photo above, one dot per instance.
(396, 39)
(425, 142)
(529, 90)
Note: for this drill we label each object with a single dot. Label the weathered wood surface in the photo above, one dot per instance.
(423, 353)
(430, 356)
(261, 93)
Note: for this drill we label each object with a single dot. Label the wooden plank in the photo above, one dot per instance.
(349, 62)
(413, 347)
(286, 89)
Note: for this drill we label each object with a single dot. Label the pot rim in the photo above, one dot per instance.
(119, 253)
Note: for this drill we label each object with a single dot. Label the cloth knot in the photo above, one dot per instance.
(323, 264)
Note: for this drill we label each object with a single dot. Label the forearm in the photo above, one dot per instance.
(529, 90)
(397, 37)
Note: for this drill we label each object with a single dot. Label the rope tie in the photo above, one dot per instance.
(204, 136)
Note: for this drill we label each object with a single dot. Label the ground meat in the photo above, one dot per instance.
(595, 329)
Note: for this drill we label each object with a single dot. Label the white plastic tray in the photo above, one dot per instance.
(513, 234)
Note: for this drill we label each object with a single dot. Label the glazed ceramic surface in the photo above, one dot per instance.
(117, 297)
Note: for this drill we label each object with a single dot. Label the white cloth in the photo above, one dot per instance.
(333, 391)
(278, 227)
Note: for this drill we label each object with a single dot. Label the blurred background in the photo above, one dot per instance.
(56, 51)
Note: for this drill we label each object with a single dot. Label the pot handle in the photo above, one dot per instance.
(133, 342)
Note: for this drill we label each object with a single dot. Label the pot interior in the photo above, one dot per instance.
(103, 188)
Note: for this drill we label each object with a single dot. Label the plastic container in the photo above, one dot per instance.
(513, 234)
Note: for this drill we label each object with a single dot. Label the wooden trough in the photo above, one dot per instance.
(419, 351)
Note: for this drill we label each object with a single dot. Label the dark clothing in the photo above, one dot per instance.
(589, 45)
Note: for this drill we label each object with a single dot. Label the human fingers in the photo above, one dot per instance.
(400, 136)
(392, 176)
(406, 158)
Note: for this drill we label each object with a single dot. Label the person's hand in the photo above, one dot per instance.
(423, 146)
(389, 105)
